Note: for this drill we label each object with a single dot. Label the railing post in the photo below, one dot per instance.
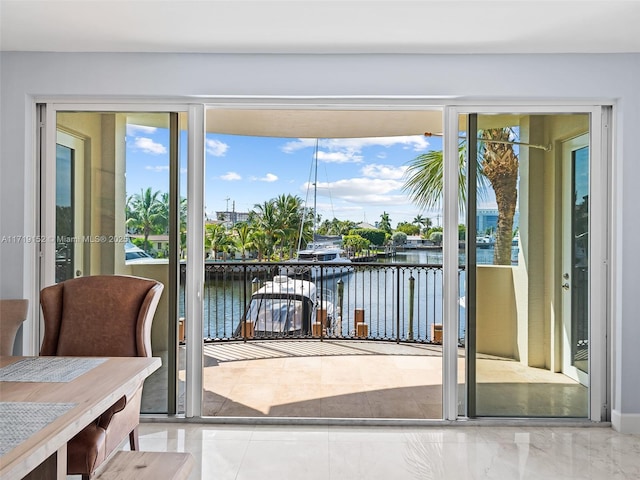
(412, 284)
(398, 305)
(322, 305)
(244, 294)
(340, 299)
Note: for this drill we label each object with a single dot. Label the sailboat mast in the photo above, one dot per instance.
(314, 164)
(315, 193)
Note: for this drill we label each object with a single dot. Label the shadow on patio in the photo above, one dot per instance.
(365, 379)
(328, 379)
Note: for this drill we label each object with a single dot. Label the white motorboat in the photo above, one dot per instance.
(286, 306)
(319, 261)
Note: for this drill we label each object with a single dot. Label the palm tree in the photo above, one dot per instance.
(243, 238)
(216, 239)
(260, 242)
(424, 179)
(145, 214)
(500, 166)
(419, 220)
(289, 213)
(497, 164)
(265, 217)
(385, 222)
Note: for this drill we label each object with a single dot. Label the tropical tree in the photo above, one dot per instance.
(145, 214)
(419, 220)
(408, 228)
(216, 239)
(500, 166)
(423, 223)
(373, 235)
(436, 237)
(497, 165)
(290, 214)
(336, 227)
(182, 219)
(260, 242)
(243, 241)
(399, 238)
(283, 220)
(385, 222)
(265, 218)
(356, 243)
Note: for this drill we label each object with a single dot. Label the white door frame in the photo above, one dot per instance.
(599, 248)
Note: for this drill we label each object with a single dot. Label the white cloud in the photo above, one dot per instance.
(375, 170)
(216, 148)
(417, 142)
(147, 145)
(157, 168)
(339, 157)
(377, 199)
(269, 177)
(298, 144)
(230, 176)
(363, 191)
(134, 130)
(349, 150)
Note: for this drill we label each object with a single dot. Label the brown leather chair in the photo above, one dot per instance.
(101, 316)
(12, 314)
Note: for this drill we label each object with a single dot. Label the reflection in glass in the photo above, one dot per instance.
(580, 256)
(64, 213)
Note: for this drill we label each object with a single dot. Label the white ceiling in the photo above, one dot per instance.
(320, 26)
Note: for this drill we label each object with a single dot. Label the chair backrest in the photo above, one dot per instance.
(101, 315)
(12, 314)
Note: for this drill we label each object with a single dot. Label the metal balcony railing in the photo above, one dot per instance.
(374, 301)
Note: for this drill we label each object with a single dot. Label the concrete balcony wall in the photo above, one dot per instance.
(496, 312)
(159, 272)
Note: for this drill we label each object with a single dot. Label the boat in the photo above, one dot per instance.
(287, 306)
(484, 241)
(318, 261)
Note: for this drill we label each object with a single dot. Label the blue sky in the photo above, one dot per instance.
(358, 179)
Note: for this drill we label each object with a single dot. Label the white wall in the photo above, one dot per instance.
(588, 78)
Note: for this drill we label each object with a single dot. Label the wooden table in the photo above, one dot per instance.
(92, 393)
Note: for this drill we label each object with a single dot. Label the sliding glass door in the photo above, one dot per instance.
(520, 324)
(114, 206)
(531, 305)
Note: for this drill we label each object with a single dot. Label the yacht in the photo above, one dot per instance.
(319, 261)
(287, 306)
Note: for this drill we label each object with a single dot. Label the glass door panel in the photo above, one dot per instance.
(69, 193)
(115, 202)
(575, 271)
(325, 215)
(525, 324)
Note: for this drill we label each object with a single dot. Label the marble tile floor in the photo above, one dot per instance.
(266, 452)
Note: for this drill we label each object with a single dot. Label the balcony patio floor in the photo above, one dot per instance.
(365, 379)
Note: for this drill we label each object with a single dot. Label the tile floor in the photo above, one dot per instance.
(360, 379)
(264, 452)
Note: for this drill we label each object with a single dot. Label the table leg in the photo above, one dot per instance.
(53, 468)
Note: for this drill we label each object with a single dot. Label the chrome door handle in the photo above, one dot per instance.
(565, 286)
